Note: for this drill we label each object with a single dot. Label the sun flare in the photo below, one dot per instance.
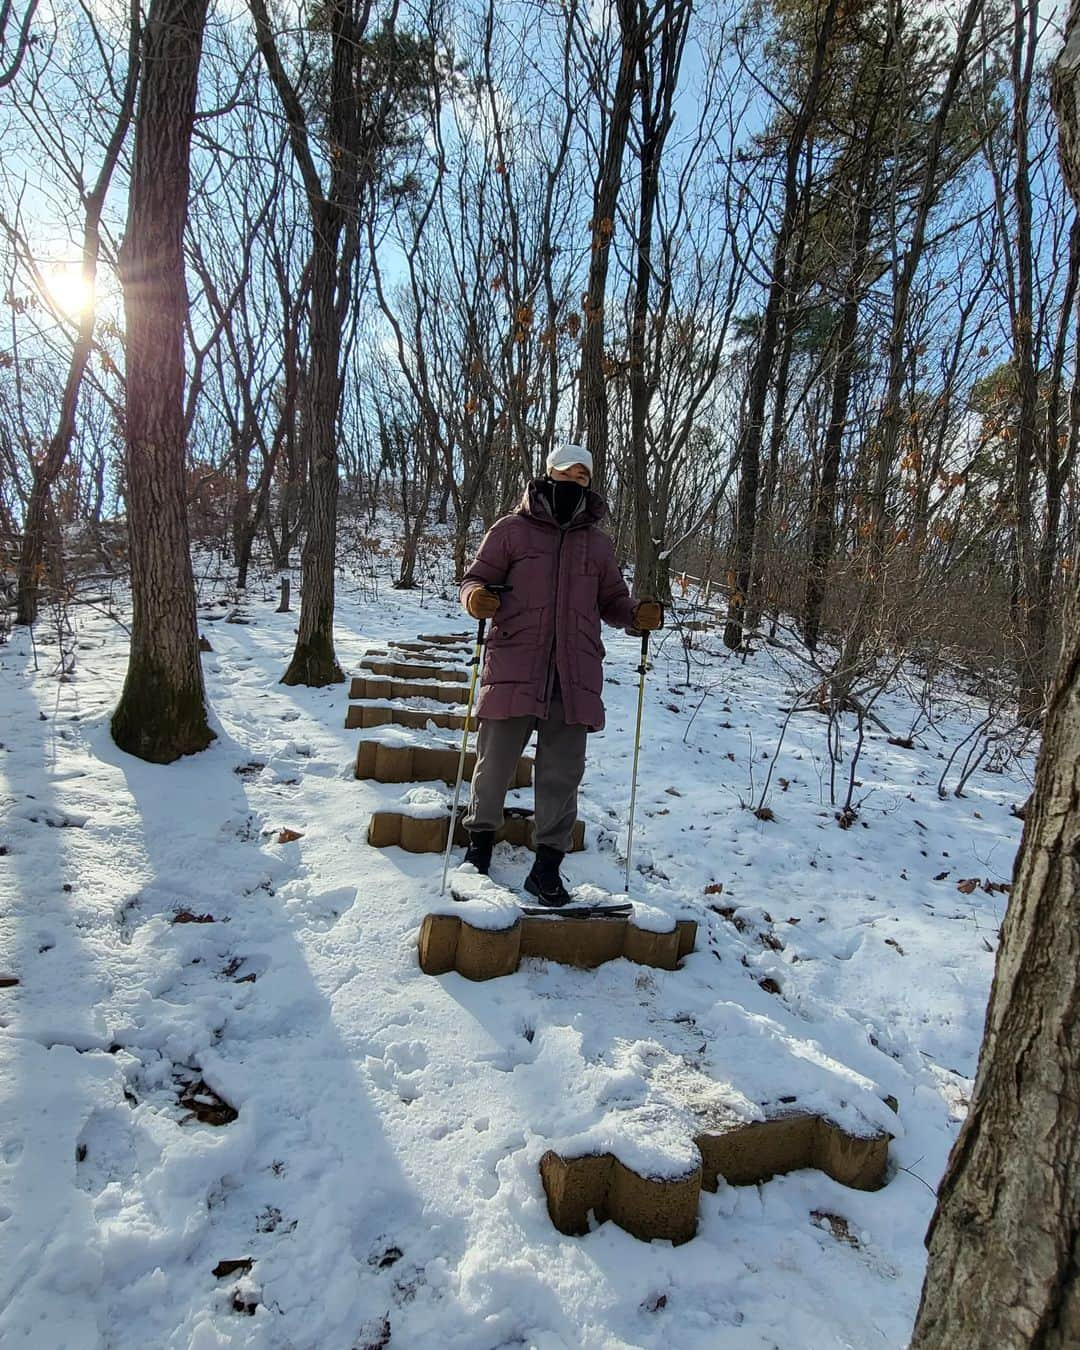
(68, 289)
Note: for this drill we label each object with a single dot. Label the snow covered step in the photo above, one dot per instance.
(403, 670)
(481, 951)
(433, 650)
(385, 688)
(366, 715)
(424, 831)
(649, 1204)
(423, 764)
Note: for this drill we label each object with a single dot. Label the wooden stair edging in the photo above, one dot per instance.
(427, 834)
(454, 655)
(445, 639)
(407, 670)
(380, 687)
(448, 942)
(747, 1154)
(364, 716)
(424, 764)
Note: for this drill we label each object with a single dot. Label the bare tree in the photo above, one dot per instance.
(765, 354)
(162, 713)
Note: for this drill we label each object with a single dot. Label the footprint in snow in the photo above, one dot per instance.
(847, 947)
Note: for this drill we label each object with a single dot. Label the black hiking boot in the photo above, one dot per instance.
(544, 881)
(481, 842)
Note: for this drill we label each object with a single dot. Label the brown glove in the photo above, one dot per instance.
(648, 616)
(481, 604)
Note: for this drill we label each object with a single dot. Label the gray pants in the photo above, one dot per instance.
(560, 764)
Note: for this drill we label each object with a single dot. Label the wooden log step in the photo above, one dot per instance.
(746, 1154)
(421, 652)
(444, 639)
(600, 1185)
(449, 942)
(427, 834)
(407, 670)
(431, 651)
(754, 1152)
(365, 715)
(380, 687)
(423, 764)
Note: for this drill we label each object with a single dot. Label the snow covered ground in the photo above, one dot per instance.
(177, 956)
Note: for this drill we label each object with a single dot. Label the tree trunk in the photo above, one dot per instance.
(1004, 1265)
(314, 662)
(1005, 1240)
(871, 560)
(1029, 638)
(823, 524)
(658, 76)
(593, 408)
(761, 371)
(765, 533)
(161, 714)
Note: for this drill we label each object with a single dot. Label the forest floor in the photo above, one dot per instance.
(176, 955)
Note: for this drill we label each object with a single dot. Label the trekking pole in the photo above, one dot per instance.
(495, 590)
(642, 668)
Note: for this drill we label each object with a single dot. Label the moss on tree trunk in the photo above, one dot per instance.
(314, 663)
(159, 719)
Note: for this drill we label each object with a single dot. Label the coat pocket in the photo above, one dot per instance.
(511, 649)
(532, 580)
(583, 592)
(590, 654)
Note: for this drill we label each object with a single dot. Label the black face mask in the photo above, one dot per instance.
(565, 497)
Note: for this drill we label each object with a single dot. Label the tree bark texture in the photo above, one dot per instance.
(1005, 1240)
(161, 714)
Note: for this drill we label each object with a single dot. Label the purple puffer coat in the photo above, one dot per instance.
(564, 582)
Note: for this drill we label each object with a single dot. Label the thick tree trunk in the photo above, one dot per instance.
(161, 714)
(1004, 1267)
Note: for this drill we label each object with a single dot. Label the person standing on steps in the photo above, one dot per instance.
(543, 664)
